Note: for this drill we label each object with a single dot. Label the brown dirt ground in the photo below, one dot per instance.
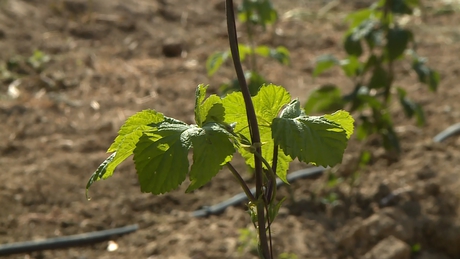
(107, 63)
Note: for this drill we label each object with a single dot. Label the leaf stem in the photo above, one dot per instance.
(243, 184)
(253, 126)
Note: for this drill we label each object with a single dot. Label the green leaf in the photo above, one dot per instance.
(125, 142)
(410, 107)
(209, 109)
(212, 149)
(390, 139)
(351, 66)
(243, 51)
(311, 139)
(200, 94)
(344, 119)
(281, 54)
(263, 51)
(324, 63)
(425, 74)
(273, 209)
(375, 37)
(324, 99)
(161, 155)
(129, 135)
(100, 172)
(365, 128)
(216, 60)
(356, 18)
(353, 46)
(397, 40)
(267, 104)
(161, 158)
(260, 12)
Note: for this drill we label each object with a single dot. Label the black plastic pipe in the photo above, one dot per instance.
(66, 241)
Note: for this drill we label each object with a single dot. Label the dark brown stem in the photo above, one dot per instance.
(253, 128)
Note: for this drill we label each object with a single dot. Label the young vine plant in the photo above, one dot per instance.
(269, 130)
(375, 42)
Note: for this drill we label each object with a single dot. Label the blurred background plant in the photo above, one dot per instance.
(256, 15)
(375, 42)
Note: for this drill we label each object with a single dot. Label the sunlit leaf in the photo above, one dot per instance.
(311, 139)
(209, 109)
(212, 149)
(125, 143)
(267, 103)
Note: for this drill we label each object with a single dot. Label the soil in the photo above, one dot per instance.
(112, 58)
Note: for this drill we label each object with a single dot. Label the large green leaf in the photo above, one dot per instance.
(267, 104)
(212, 149)
(161, 155)
(161, 158)
(128, 136)
(125, 142)
(311, 139)
(344, 119)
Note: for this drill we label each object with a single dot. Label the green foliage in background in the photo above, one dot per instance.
(374, 43)
(253, 14)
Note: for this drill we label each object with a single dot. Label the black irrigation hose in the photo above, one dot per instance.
(311, 172)
(92, 237)
(66, 241)
(305, 173)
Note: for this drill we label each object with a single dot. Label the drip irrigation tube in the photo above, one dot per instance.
(311, 172)
(66, 241)
(305, 173)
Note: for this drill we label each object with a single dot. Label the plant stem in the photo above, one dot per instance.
(241, 182)
(386, 20)
(253, 128)
(253, 63)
